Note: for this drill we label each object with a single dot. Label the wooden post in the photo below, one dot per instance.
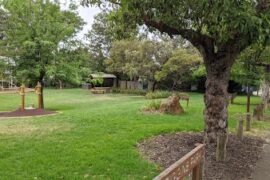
(221, 147)
(38, 92)
(248, 109)
(197, 172)
(248, 122)
(240, 128)
(192, 162)
(22, 93)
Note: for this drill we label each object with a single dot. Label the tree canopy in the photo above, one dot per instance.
(33, 33)
(219, 29)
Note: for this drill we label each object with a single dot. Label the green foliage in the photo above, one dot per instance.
(97, 80)
(220, 20)
(129, 91)
(158, 94)
(70, 65)
(245, 71)
(34, 32)
(180, 66)
(153, 106)
(136, 58)
(106, 28)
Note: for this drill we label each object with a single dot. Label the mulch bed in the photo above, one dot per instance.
(25, 113)
(242, 156)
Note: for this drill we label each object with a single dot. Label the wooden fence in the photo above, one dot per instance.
(191, 163)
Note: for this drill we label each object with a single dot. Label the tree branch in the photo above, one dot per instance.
(200, 41)
(262, 6)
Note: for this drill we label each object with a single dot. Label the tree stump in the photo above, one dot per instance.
(171, 106)
(258, 112)
(240, 129)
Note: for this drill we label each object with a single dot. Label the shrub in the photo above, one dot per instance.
(158, 94)
(152, 106)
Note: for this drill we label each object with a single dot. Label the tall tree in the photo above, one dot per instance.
(106, 28)
(34, 30)
(219, 29)
(263, 54)
(180, 67)
(136, 58)
(70, 65)
(247, 73)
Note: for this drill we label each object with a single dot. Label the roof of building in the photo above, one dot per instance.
(103, 75)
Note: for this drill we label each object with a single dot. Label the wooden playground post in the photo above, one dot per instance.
(22, 93)
(240, 128)
(38, 92)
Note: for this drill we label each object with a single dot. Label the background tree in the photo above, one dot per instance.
(106, 28)
(220, 30)
(33, 33)
(263, 54)
(136, 58)
(247, 73)
(180, 67)
(70, 66)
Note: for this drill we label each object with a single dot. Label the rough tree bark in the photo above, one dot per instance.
(216, 102)
(60, 84)
(265, 92)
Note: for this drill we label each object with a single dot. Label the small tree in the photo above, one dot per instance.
(97, 80)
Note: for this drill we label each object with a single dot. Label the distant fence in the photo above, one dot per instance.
(191, 163)
(130, 85)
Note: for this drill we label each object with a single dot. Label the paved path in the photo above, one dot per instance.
(262, 170)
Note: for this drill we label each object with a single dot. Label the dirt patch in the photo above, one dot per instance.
(28, 128)
(25, 113)
(241, 155)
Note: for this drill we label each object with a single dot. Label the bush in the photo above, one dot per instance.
(152, 106)
(130, 91)
(158, 94)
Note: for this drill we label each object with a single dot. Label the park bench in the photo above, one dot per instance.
(101, 90)
(98, 91)
(191, 163)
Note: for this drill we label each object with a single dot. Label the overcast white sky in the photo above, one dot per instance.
(87, 14)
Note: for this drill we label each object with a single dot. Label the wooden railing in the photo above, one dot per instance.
(191, 163)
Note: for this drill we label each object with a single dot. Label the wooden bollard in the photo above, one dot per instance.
(248, 122)
(22, 93)
(240, 128)
(38, 92)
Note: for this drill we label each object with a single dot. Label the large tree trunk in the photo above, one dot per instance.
(216, 103)
(60, 84)
(154, 86)
(265, 92)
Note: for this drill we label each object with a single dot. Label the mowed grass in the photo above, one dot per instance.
(93, 136)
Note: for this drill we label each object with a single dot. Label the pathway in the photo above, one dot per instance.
(262, 170)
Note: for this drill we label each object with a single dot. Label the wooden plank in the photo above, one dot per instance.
(185, 165)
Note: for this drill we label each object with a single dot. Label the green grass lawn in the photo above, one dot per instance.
(93, 137)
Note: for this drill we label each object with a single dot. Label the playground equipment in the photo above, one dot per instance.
(39, 94)
(22, 91)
